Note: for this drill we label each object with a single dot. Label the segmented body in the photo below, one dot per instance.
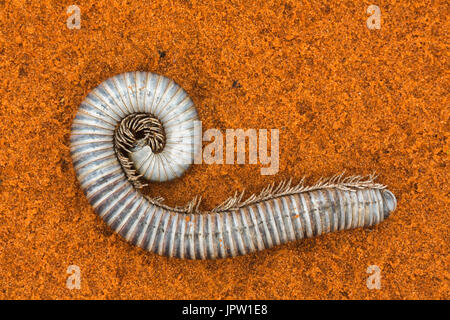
(111, 159)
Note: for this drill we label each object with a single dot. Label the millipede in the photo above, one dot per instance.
(139, 126)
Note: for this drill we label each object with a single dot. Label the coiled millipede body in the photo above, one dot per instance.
(140, 126)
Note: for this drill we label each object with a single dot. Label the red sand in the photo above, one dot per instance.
(343, 97)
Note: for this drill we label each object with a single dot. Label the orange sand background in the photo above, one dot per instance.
(343, 97)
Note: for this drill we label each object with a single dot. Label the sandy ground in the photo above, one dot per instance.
(343, 97)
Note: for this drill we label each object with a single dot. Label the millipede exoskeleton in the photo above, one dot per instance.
(140, 126)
